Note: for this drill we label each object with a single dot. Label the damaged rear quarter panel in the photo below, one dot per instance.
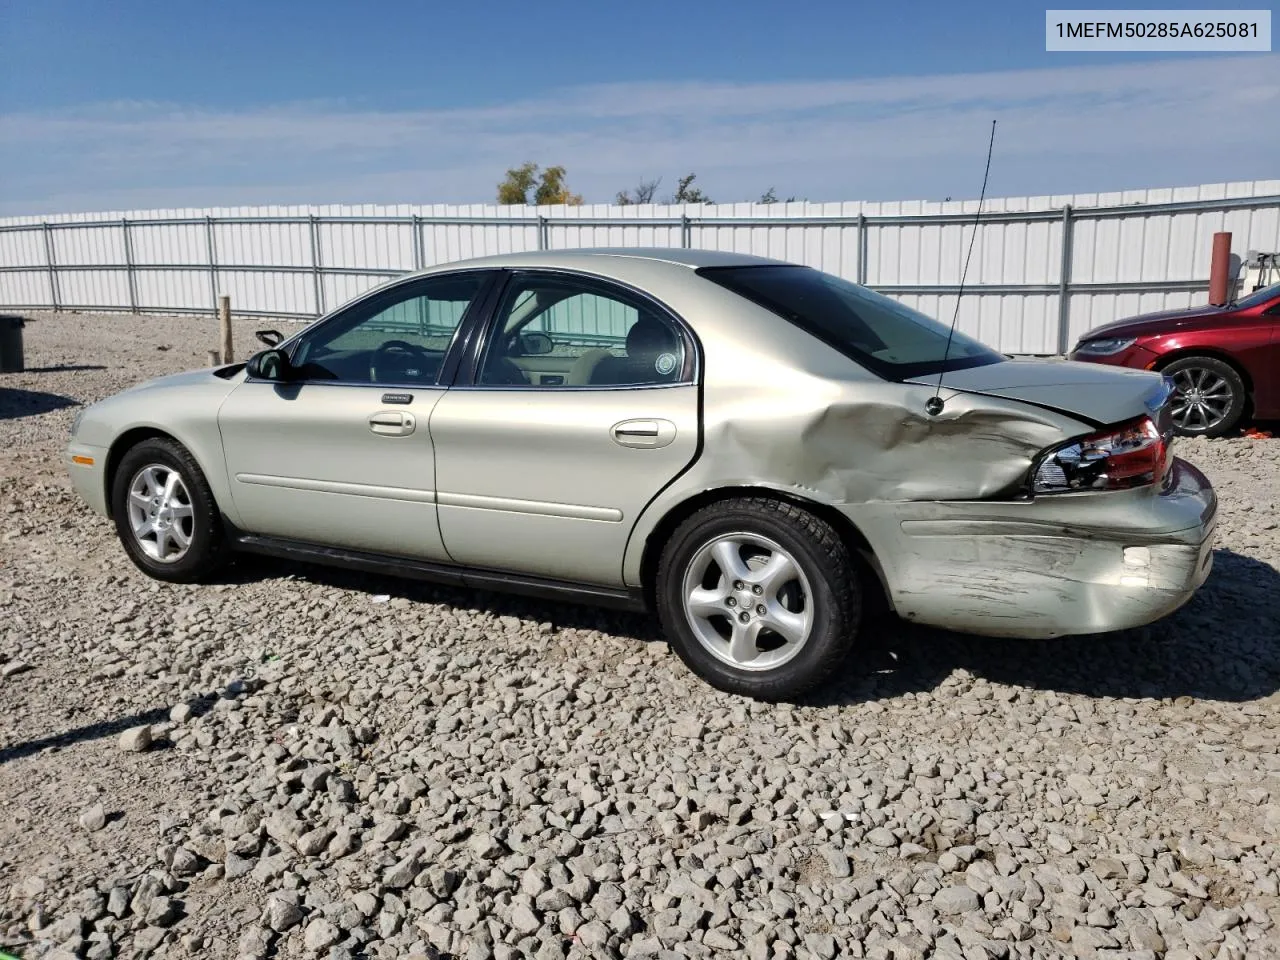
(783, 411)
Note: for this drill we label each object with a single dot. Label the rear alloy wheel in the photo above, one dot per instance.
(1208, 398)
(165, 513)
(759, 597)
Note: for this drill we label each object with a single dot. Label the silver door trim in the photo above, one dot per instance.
(569, 511)
(338, 486)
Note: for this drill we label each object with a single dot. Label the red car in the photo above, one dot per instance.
(1223, 361)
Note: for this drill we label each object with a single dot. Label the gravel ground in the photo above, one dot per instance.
(304, 762)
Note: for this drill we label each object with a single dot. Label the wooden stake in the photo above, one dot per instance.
(224, 326)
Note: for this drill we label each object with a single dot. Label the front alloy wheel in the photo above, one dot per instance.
(1208, 398)
(161, 513)
(165, 513)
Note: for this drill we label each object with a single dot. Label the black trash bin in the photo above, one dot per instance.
(11, 344)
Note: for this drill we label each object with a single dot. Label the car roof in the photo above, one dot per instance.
(581, 258)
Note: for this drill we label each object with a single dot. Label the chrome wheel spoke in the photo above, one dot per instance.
(1216, 388)
(792, 627)
(703, 602)
(728, 556)
(742, 643)
(778, 571)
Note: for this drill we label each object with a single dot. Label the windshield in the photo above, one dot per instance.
(1259, 297)
(883, 335)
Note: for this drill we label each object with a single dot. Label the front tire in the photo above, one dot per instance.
(165, 513)
(759, 597)
(1209, 396)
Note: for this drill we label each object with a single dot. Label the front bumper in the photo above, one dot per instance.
(87, 466)
(1066, 564)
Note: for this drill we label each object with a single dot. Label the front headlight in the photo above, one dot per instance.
(1105, 347)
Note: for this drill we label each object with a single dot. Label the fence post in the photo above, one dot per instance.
(419, 252)
(418, 263)
(52, 264)
(213, 262)
(128, 262)
(684, 230)
(224, 328)
(862, 248)
(1064, 284)
(316, 279)
(542, 233)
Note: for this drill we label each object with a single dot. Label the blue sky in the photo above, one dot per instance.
(129, 105)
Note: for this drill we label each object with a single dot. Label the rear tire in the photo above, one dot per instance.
(1209, 396)
(165, 513)
(759, 597)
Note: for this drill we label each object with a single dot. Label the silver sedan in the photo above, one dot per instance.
(753, 450)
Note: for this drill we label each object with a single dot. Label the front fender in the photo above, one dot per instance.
(184, 407)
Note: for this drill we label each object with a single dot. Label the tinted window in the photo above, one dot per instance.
(1259, 296)
(399, 337)
(881, 334)
(558, 331)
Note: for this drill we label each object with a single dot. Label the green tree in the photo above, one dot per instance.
(552, 189)
(519, 180)
(549, 188)
(686, 192)
(770, 196)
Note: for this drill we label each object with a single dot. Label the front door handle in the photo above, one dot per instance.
(392, 423)
(644, 434)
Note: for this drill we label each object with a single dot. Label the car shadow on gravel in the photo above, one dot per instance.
(1223, 645)
(16, 403)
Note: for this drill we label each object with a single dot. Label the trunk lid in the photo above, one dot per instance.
(1096, 393)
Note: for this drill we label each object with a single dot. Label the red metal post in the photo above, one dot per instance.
(1219, 269)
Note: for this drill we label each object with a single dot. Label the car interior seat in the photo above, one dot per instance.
(583, 370)
(653, 356)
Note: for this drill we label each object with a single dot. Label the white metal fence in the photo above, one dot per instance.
(1044, 270)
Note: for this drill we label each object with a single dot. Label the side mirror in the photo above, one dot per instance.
(535, 344)
(270, 337)
(269, 365)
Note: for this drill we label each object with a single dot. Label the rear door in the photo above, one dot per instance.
(544, 461)
(341, 455)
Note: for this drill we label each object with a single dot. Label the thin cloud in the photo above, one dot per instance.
(1062, 130)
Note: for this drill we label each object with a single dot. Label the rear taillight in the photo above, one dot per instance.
(1129, 455)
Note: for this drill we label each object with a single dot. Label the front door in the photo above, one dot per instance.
(581, 406)
(341, 453)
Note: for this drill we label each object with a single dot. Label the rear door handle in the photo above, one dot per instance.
(644, 434)
(392, 423)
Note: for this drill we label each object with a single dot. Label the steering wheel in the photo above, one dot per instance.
(405, 351)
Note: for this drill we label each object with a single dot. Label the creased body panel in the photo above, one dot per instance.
(1056, 565)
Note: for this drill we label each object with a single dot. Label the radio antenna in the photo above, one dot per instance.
(933, 406)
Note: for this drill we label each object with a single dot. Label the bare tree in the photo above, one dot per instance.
(643, 192)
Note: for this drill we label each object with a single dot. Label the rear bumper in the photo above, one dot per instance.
(1074, 564)
(87, 466)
